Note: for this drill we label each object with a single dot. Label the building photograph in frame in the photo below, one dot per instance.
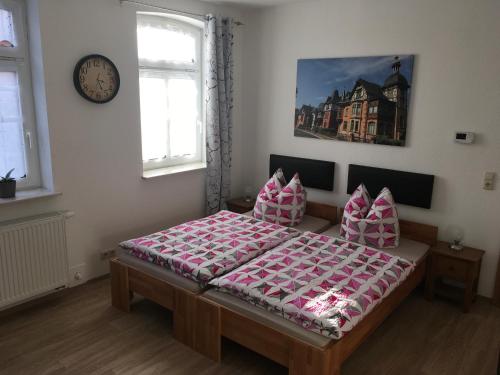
(355, 99)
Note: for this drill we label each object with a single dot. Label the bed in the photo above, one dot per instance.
(303, 351)
(174, 281)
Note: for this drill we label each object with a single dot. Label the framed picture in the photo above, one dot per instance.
(356, 99)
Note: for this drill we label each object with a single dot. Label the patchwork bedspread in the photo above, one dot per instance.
(203, 249)
(325, 284)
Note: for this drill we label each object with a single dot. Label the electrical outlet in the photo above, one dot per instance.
(489, 181)
(77, 274)
(108, 254)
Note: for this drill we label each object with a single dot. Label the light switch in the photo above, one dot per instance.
(489, 181)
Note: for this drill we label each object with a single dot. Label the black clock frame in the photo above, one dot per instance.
(76, 78)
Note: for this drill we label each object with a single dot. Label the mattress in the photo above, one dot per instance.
(308, 223)
(323, 284)
(408, 249)
(209, 247)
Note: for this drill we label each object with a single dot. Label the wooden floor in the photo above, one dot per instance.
(80, 333)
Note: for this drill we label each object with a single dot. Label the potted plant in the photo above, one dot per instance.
(8, 185)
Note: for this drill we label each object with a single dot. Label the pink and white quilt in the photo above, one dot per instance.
(206, 248)
(325, 284)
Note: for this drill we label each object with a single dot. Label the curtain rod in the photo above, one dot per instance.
(180, 12)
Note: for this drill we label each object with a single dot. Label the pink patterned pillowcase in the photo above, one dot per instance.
(357, 206)
(286, 208)
(269, 191)
(359, 203)
(273, 186)
(380, 227)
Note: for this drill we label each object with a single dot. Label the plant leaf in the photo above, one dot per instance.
(7, 176)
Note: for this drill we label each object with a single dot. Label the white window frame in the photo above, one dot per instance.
(356, 109)
(372, 128)
(17, 60)
(195, 71)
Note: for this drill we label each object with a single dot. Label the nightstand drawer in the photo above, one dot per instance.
(452, 268)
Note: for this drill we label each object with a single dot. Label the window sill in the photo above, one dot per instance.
(153, 173)
(27, 195)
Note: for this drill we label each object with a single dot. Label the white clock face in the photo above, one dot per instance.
(98, 79)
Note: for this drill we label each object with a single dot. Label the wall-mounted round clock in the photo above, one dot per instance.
(96, 78)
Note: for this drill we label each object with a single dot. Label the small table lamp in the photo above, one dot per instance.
(457, 236)
(248, 193)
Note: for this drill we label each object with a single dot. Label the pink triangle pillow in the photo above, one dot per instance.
(274, 185)
(269, 191)
(359, 203)
(286, 208)
(356, 207)
(378, 228)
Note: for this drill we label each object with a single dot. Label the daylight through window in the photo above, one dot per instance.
(17, 126)
(170, 53)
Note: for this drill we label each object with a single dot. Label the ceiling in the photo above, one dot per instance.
(252, 3)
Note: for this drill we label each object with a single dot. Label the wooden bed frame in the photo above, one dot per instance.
(215, 321)
(127, 280)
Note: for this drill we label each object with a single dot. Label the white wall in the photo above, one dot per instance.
(96, 149)
(455, 87)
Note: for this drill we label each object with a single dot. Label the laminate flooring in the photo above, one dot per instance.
(79, 333)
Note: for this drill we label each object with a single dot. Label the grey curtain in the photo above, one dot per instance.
(219, 105)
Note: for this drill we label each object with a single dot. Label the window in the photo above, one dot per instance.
(373, 108)
(170, 72)
(356, 109)
(18, 147)
(358, 94)
(372, 128)
(354, 126)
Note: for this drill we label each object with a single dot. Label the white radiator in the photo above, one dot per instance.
(33, 257)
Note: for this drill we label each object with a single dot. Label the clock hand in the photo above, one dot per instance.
(99, 81)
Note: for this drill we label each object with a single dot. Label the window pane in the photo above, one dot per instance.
(11, 126)
(165, 43)
(7, 36)
(153, 92)
(183, 113)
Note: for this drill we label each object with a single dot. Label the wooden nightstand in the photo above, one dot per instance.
(240, 205)
(460, 267)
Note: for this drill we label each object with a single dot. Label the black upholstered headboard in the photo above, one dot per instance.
(317, 174)
(413, 189)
